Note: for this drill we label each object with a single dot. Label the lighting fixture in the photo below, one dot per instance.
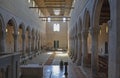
(56, 11)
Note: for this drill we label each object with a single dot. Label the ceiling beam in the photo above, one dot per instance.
(55, 20)
(56, 17)
(53, 7)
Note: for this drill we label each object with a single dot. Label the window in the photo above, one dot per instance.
(56, 27)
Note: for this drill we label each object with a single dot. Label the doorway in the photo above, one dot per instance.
(56, 44)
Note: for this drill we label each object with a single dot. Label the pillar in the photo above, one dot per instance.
(114, 40)
(75, 48)
(29, 43)
(3, 41)
(15, 35)
(84, 48)
(23, 44)
(39, 43)
(70, 46)
(36, 43)
(94, 31)
(33, 43)
(78, 62)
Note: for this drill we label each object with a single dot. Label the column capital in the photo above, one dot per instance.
(84, 34)
(79, 35)
(94, 31)
(23, 36)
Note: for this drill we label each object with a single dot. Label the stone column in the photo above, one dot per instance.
(3, 41)
(94, 55)
(72, 44)
(84, 48)
(78, 62)
(39, 44)
(33, 39)
(36, 43)
(15, 41)
(29, 43)
(75, 48)
(23, 44)
(114, 40)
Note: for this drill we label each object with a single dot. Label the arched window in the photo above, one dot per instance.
(56, 27)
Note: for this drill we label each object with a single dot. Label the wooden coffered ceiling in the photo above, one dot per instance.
(48, 7)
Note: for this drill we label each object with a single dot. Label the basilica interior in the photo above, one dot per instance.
(59, 39)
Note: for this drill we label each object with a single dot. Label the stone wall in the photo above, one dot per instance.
(61, 36)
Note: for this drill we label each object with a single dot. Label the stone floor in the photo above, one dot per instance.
(54, 70)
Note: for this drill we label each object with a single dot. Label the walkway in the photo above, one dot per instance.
(51, 65)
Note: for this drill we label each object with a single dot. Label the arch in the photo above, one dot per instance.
(21, 30)
(97, 10)
(2, 24)
(22, 26)
(79, 25)
(86, 20)
(11, 38)
(12, 22)
(28, 28)
(101, 14)
(33, 29)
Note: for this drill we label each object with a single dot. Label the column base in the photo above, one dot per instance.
(74, 59)
(72, 56)
(78, 61)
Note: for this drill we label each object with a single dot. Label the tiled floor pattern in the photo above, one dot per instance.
(50, 59)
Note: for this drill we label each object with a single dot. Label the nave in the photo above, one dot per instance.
(51, 65)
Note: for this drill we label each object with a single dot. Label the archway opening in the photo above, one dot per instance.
(87, 41)
(104, 38)
(10, 30)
